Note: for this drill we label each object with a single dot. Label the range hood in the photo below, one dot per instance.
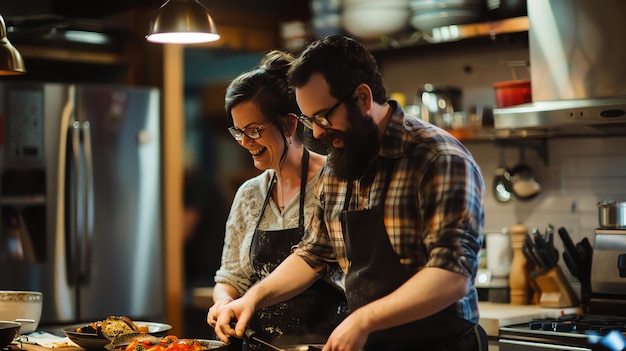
(577, 72)
(605, 116)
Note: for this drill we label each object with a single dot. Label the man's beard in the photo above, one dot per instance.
(360, 145)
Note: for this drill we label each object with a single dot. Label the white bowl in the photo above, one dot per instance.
(418, 5)
(21, 306)
(386, 3)
(425, 21)
(370, 22)
(322, 7)
(325, 25)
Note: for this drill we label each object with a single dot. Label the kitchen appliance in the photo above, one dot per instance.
(80, 195)
(576, 71)
(602, 326)
(492, 282)
(608, 273)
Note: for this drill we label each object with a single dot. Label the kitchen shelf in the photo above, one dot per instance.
(74, 55)
(25, 200)
(450, 33)
(498, 135)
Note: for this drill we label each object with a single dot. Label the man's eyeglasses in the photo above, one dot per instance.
(252, 133)
(321, 119)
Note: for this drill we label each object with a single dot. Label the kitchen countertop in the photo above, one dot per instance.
(496, 315)
(492, 315)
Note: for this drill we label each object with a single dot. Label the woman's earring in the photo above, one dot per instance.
(290, 140)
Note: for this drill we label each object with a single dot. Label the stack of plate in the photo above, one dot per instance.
(429, 14)
(370, 19)
(326, 17)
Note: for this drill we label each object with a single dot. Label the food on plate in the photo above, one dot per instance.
(168, 343)
(113, 326)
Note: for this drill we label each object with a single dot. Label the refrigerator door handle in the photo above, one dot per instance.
(74, 188)
(88, 207)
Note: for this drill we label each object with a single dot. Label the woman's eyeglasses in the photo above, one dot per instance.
(252, 133)
(321, 119)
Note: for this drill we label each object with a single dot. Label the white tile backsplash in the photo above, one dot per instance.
(572, 183)
(579, 173)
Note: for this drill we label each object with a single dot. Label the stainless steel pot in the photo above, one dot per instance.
(612, 214)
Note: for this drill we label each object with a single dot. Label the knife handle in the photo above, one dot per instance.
(570, 247)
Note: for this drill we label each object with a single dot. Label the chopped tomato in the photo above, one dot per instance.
(168, 343)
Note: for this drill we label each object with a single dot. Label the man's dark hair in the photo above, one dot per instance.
(344, 63)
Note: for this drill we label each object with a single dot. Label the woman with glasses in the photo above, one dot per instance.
(269, 211)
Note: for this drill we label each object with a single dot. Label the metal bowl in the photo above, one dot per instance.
(120, 343)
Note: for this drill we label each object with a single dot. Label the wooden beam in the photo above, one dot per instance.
(173, 135)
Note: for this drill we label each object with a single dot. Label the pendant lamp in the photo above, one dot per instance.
(182, 22)
(11, 62)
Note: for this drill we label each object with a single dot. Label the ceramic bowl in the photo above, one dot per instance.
(23, 307)
(372, 20)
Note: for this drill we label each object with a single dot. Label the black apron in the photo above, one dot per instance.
(308, 318)
(376, 271)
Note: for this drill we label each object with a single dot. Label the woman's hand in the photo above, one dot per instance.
(214, 311)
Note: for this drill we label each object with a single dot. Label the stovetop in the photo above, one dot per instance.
(577, 330)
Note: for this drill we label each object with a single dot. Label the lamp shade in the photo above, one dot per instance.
(182, 22)
(11, 62)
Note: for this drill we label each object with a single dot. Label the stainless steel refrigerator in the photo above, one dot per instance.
(81, 200)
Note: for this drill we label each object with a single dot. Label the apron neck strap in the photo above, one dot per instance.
(303, 180)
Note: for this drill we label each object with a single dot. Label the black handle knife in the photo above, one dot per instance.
(544, 251)
(570, 247)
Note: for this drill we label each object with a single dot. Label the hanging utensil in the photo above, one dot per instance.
(502, 187)
(525, 187)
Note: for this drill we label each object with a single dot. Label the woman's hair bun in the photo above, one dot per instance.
(276, 62)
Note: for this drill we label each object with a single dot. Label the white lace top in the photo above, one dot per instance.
(236, 268)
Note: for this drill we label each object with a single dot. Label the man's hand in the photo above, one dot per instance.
(350, 335)
(238, 311)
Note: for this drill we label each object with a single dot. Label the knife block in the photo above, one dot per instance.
(556, 291)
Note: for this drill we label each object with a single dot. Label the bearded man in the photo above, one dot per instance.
(400, 210)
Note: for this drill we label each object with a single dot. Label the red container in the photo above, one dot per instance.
(512, 92)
